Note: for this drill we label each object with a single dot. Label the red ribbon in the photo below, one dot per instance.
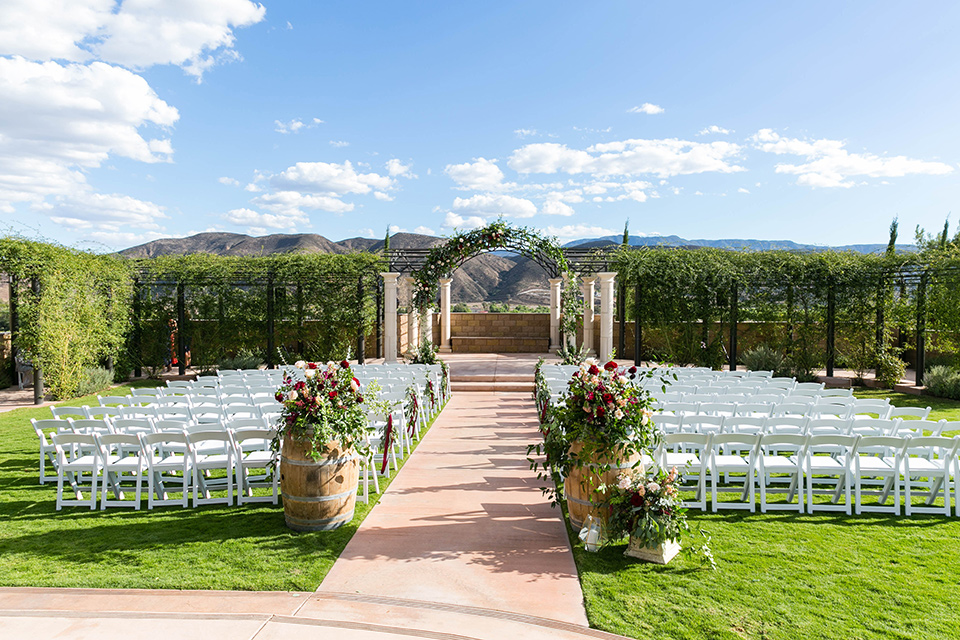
(412, 422)
(387, 442)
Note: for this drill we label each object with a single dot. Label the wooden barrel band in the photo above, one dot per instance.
(336, 496)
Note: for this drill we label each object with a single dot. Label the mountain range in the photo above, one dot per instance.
(490, 277)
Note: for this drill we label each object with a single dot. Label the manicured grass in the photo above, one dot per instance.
(943, 408)
(784, 575)
(213, 547)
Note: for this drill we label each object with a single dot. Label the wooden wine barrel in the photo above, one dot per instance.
(581, 487)
(321, 495)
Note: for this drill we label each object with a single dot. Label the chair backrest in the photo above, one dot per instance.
(182, 384)
(827, 426)
(753, 409)
(717, 408)
(95, 412)
(783, 442)
(118, 401)
(170, 426)
(883, 445)
(933, 447)
(111, 441)
(63, 412)
(253, 434)
(874, 427)
(667, 423)
(153, 392)
(86, 443)
(910, 412)
(133, 425)
(836, 393)
(174, 413)
(832, 444)
(741, 440)
(786, 424)
(827, 410)
(881, 408)
(790, 409)
(809, 386)
(245, 423)
(918, 428)
(699, 423)
(90, 425)
(767, 398)
(139, 412)
(45, 426)
(745, 424)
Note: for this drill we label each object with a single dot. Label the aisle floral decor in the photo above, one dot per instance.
(647, 507)
(325, 406)
(603, 425)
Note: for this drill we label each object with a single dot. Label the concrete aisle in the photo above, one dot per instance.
(465, 522)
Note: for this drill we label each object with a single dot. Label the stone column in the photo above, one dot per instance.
(606, 314)
(426, 328)
(390, 317)
(587, 288)
(413, 332)
(445, 344)
(555, 313)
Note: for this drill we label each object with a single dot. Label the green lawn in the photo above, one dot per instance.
(790, 576)
(213, 547)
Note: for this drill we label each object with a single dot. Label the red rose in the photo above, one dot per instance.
(311, 365)
(593, 370)
(610, 366)
(300, 385)
(636, 500)
(344, 364)
(278, 396)
(332, 395)
(632, 370)
(590, 396)
(359, 399)
(607, 398)
(600, 412)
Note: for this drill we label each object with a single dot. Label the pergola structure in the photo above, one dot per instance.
(403, 263)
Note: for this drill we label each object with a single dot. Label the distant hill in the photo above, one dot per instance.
(496, 276)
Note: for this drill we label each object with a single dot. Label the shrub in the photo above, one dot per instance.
(890, 369)
(764, 358)
(94, 379)
(460, 307)
(245, 359)
(943, 381)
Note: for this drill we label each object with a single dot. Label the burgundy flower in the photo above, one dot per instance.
(636, 500)
(632, 370)
(344, 364)
(332, 395)
(607, 398)
(300, 385)
(359, 399)
(593, 370)
(590, 396)
(278, 396)
(311, 365)
(610, 366)
(600, 412)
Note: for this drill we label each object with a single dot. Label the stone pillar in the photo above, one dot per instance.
(413, 332)
(606, 314)
(390, 317)
(426, 327)
(587, 288)
(555, 313)
(445, 344)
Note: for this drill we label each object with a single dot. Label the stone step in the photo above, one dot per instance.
(504, 377)
(490, 386)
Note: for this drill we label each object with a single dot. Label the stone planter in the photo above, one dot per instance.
(660, 555)
(318, 495)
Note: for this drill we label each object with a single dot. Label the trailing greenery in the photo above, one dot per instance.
(73, 309)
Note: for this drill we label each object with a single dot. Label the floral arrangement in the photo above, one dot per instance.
(604, 412)
(323, 403)
(647, 507)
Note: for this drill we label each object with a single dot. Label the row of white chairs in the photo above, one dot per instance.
(707, 423)
(866, 407)
(170, 462)
(200, 412)
(802, 466)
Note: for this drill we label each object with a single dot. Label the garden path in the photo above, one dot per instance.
(465, 523)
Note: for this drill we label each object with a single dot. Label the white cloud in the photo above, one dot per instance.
(577, 231)
(397, 169)
(479, 175)
(647, 108)
(253, 187)
(230, 182)
(293, 126)
(525, 133)
(743, 190)
(192, 35)
(330, 178)
(455, 221)
(487, 205)
(384, 197)
(339, 144)
(662, 158)
(260, 221)
(292, 203)
(556, 208)
(830, 165)
(713, 129)
(424, 231)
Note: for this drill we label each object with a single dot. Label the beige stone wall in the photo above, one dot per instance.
(500, 325)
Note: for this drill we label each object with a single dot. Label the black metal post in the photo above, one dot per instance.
(300, 319)
(137, 346)
(37, 370)
(271, 294)
(622, 304)
(734, 329)
(637, 326)
(181, 330)
(379, 296)
(14, 327)
(921, 327)
(361, 329)
(881, 301)
(831, 327)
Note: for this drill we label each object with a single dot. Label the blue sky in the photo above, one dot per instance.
(816, 122)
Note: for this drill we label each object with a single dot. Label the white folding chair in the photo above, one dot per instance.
(781, 454)
(878, 458)
(211, 451)
(252, 451)
(828, 462)
(936, 462)
(722, 462)
(122, 454)
(77, 454)
(688, 452)
(166, 467)
(45, 430)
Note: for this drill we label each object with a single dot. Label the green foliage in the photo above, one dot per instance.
(498, 307)
(73, 307)
(943, 381)
(460, 307)
(426, 353)
(890, 368)
(245, 359)
(95, 379)
(764, 358)
(571, 354)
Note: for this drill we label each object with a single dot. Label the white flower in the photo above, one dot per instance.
(354, 385)
(618, 414)
(292, 395)
(652, 487)
(309, 373)
(300, 364)
(623, 482)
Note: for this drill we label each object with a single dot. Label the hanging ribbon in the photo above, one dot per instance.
(387, 442)
(414, 414)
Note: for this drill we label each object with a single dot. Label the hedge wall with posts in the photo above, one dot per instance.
(821, 309)
(70, 310)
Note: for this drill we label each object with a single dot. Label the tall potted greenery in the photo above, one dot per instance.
(322, 436)
(603, 427)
